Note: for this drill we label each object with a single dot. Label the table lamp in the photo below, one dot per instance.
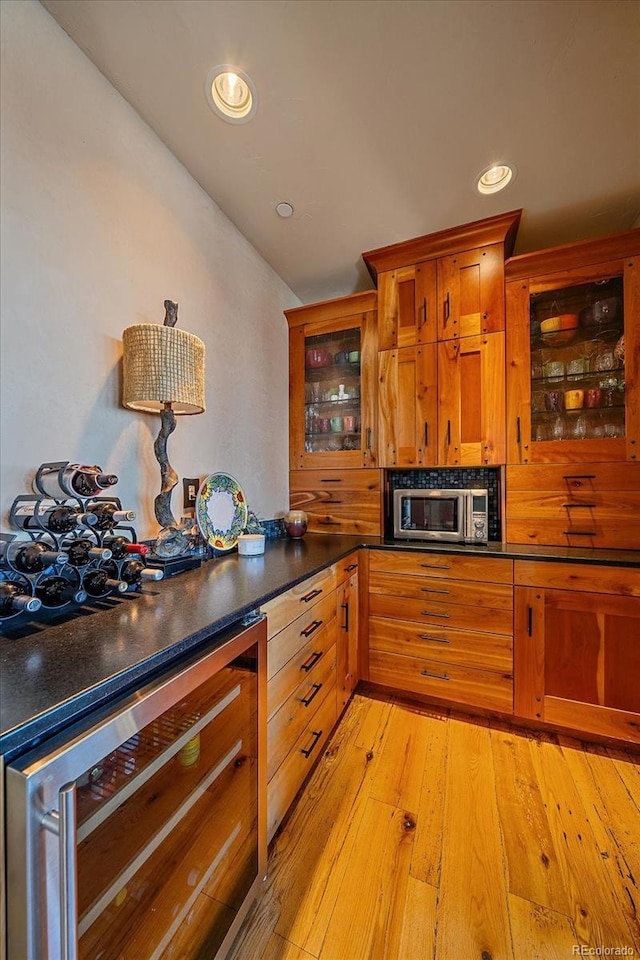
(163, 372)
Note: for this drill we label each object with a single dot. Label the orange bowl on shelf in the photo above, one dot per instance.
(564, 321)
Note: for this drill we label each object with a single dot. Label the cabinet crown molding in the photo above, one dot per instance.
(616, 246)
(336, 309)
(500, 229)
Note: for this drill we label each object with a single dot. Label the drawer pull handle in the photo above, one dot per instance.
(433, 590)
(313, 626)
(518, 436)
(447, 307)
(429, 613)
(331, 500)
(448, 433)
(316, 736)
(580, 533)
(310, 596)
(330, 523)
(434, 676)
(332, 480)
(352, 566)
(579, 476)
(530, 621)
(315, 688)
(345, 607)
(426, 636)
(435, 566)
(311, 662)
(570, 506)
(426, 433)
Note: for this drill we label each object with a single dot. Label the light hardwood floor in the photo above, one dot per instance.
(422, 836)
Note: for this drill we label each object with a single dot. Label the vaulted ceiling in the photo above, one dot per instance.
(376, 116)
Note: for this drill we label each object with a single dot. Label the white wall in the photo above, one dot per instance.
(101, 224)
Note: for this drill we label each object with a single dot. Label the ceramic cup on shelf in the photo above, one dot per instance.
(323, 425)
(573, 399)
(336, 424)
(553, 400)
(593, 397)
(349, 424)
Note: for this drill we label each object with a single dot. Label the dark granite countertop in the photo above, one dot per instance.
(54, 673)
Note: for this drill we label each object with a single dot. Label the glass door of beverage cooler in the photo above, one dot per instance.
(139, 837)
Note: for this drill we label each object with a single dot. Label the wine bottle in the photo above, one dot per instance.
(107, 514)
(15, 598)
(60, 480)
(58, 592)
(134, 572)
(120, 547)
(98, 583)
(58, 519)
(33, 556)
(84, 551)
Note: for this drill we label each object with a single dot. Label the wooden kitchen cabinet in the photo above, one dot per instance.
(338, 501)
(332, 383)
(442, 626)
(443, 285)
(408, 406)
(441, 391)
(347, 647)
(573, 394)
(471, 393)
(577, 647)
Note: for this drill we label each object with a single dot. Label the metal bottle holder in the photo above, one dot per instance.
(34, 583)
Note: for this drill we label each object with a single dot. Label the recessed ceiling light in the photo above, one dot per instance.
(495, 178)
(284, 209)
(231, 94)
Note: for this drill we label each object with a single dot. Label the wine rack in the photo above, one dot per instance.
(73, 564)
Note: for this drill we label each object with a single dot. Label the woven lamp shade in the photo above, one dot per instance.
(162, 364)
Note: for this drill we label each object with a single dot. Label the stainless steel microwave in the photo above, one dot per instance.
(452, 516)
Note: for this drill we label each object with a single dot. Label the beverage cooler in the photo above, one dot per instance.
(139, 834)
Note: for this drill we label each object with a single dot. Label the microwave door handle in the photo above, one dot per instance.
(62, 824)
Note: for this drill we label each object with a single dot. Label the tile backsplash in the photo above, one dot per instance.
(451, 478)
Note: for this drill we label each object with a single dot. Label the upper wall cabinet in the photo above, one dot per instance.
(573, 352)
(332, 383)
(445, 285)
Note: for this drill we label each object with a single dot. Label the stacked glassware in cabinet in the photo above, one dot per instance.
(332, 392)
(577, 362)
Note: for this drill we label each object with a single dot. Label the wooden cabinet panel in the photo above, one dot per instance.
(288, 606)
(481, 594)
(291, 773)
(293, 717)
(347, 630)
(595, 578)
(293, 638)
(347, 567)
(493, 569)
(471, 293)
(436, 612)
(407, 305)
(465, 647)
(338, 501)
(593, 505)
(407, 406)
(577, 659)
(448, 681)
(471, 415)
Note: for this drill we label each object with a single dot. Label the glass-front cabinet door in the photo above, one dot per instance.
(572, 365)
(332, 382)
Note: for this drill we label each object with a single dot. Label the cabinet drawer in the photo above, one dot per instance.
(288, 779)
(446, 681)
(466, 648)
(298, 710)
(444, 591)
(300, 667)
(346, 568)
(338, 501)
(299, 634)
(492, 569)
(593, 578)
(579, 478)
(591, 532)
(436, 613)
(286, 607)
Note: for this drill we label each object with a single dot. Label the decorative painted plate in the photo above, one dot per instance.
(221, 511)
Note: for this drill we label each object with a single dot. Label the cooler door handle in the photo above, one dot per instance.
(62, 824)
